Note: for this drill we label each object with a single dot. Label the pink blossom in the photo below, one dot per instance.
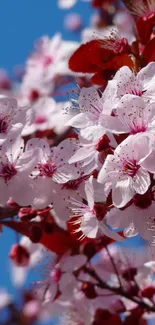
(123, 172)
(87, 216)
(60, 277)
(132, 116)
(46, 114)
(92, 108)
(73, 22)
(46, 63)
(142, 84)
(134, 220)
(54, 161)
(90, 149)
(15, 168)
(10, 115)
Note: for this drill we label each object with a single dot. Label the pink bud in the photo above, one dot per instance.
(12, 204)
(55, 275)
(31, 310)
(73, 22)
(19, 255)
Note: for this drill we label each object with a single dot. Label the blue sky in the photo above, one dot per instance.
(22, 22)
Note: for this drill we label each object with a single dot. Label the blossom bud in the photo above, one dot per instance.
(129, 274)
(148, 292)
(19, 255)
(89, 250)
(73, 22)
(12, 204)
(31, 310)
(88, 289)
(34, 95)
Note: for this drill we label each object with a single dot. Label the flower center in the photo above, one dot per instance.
(47, 169)
(130, 167)
(136, 92)
(99, 210)
(40, 119)
(47, 60)
(56, 275)
(34, 95)
(8, 171)
(103, 143)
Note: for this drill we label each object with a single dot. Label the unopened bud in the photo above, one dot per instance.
(19, 255)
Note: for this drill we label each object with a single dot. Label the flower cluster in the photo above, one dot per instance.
(78, 175)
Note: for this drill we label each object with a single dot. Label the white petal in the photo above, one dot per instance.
(141, 181)
(146, 74)
(89, 193)
(109, 233)
(89, 225)
(113, 124)
(80, 121)
(122, 192)
(72, 263)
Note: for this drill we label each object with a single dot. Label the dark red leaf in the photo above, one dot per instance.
(149, 52)
(145, 27)
(58, 242)
(89, 57)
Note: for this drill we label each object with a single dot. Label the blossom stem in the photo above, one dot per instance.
(119, 291)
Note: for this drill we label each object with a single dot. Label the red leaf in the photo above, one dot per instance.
(89, 57)
(118, 61)
(101, 78)
(149, 52)
(59, 241)
(135, 318)
(145, 27)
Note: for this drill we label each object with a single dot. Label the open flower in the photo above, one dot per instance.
(123, 172)
(132, 116)
(60, 277)
(87, 215)
(54, 161)
(15, 168)
(92, 108)
(10, 114)
(140, 84)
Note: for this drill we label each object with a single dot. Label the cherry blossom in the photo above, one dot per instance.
(60, 277)
(132, 116)
(90, 150)
(10, 115)
(15, 166)
(54, 162)
(140, 84)
(44, 115)
(134, 220)
(46, 63)
(123, 171)
(87, 214)
(92, 108)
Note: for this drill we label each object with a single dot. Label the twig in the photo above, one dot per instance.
(119, 291)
